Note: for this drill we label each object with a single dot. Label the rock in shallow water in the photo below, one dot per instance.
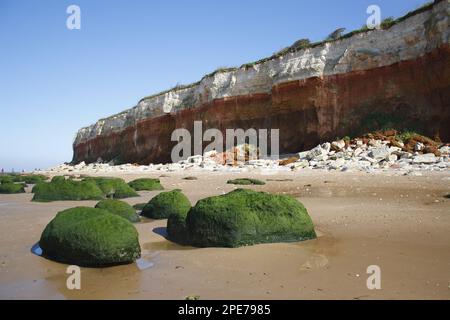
(90, 237)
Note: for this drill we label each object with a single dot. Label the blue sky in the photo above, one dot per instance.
(54, 81)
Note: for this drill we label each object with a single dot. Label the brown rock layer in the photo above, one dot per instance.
(412, 94)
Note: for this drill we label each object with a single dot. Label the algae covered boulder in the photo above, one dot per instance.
(58, 178)
(119, 208)
(113, 187)
(33, 178)
(6, 178)
(66, 190)
(139, 206)
(246, 181)
(146, 184)
(10, 187)
(245, 217)
(165, 204)
(90, 237)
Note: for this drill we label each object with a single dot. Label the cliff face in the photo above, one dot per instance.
(398, 77)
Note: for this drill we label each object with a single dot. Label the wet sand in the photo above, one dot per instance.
(400, 223)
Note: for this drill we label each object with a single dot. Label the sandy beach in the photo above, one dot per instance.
(400, 223)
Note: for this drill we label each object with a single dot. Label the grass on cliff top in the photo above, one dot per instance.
(298, 45)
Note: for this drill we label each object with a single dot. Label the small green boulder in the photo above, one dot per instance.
(245, 217)
(116, 188)
(66, 190)
(246, 181)
(10, 187)
(58, 178)
(165, 204)
(146, 184)
(120, 208)
(6, 178)
(90, 237)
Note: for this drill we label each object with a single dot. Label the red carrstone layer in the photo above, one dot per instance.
(411, 94)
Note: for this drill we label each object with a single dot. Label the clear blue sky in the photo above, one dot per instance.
(54, 81)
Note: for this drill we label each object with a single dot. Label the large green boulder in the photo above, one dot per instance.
(90, 237)
(146, 184)
(10, 187)
(245, 217)
(116, 188)
(165, 204)
(120, 208)
(67, 190)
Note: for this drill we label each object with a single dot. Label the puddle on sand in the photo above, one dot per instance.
(321, 249)
(165, 245)
(36, 249)
(143, 263)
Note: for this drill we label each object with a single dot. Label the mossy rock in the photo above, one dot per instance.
(10, 187)
(27, 178)
(58, 178)
(165, 204)
(90, 237)
(35, 178)
(6, 178)
(120, 208)
(146, 184)
(67, 190)
(139, 206)
(246, 181)
(246, 217)
(113, 187)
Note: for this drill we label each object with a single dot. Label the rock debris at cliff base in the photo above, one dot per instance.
(360, 154)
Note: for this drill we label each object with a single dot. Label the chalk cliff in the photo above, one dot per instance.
(398, 77)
